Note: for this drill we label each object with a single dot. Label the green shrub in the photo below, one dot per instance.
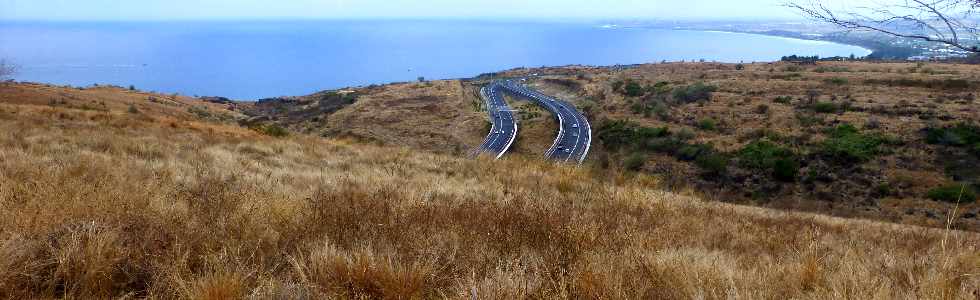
(962, 134)
(953, 193)
(766, 156)
(739, 67)
(786, 169)
(275, 131)
(652, 132)
(836, 81)
(846, 144)
(633, 89)
(132, 109)
(615, 134)
(713, 163)
(783, 99)
(825, 107)
(662, 144)
(708, 124)
(692, 152)
(833, 69)
(694, 92)
(635, 162)
(618, 84)
(685, 134)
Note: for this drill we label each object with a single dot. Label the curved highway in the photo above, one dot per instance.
(574, 131)
(503, 130)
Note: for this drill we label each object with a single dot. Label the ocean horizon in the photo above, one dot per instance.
(249, 60)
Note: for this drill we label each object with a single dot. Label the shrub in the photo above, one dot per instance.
(132, 109)
(739, 67)
(708, 124)
(847, 145)
(635, 162)
(953, 193)
(652, 132)
(783, 99)
(693, 151)
(275, 131)
(762, 109)
(763, 155)
(694, 92)
(615, 134)
(836, 81)
(833, 69)
(661, 87)
(662, 145)
(132, 87)
(685, 134)
(616, 85)
(713, 163)
(961, 134)
(825, 107)
(633, 89)
(786, 169)
(792, 68)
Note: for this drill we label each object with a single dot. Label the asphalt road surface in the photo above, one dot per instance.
(574, 133)
(504, 127)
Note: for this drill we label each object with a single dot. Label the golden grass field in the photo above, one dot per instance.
(160, 204)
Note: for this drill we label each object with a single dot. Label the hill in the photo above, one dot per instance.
(159, 202)
(887, 141)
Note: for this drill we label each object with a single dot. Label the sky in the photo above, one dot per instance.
(347, 9)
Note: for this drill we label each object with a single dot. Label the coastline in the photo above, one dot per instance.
(870, 51)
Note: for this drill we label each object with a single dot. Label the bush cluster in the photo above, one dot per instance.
(846, 144)
(953, 193)
(617, 135)
(782, 163)
(694, 93)
(960, 135)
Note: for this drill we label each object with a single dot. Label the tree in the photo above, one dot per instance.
(949, 22)
(7, 70)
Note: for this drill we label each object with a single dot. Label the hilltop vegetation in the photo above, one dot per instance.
(164, 203)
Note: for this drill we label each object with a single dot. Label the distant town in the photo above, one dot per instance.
(882, 46)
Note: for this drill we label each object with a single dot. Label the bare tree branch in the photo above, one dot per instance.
(939, 21)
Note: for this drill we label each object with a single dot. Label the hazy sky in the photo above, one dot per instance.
(248, 9)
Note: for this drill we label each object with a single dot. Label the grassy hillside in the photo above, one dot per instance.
(148, 203)
(887, 141)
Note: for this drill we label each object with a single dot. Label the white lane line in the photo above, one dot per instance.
(588, 141)
(492, 123)
(494, 127)
(578, 137)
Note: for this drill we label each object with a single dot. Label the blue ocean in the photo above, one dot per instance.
(249, 60)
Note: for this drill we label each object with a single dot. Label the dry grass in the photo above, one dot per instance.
(100, 204)
(437, 116)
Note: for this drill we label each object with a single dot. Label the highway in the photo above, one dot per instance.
(503, 130)
(574, 130)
